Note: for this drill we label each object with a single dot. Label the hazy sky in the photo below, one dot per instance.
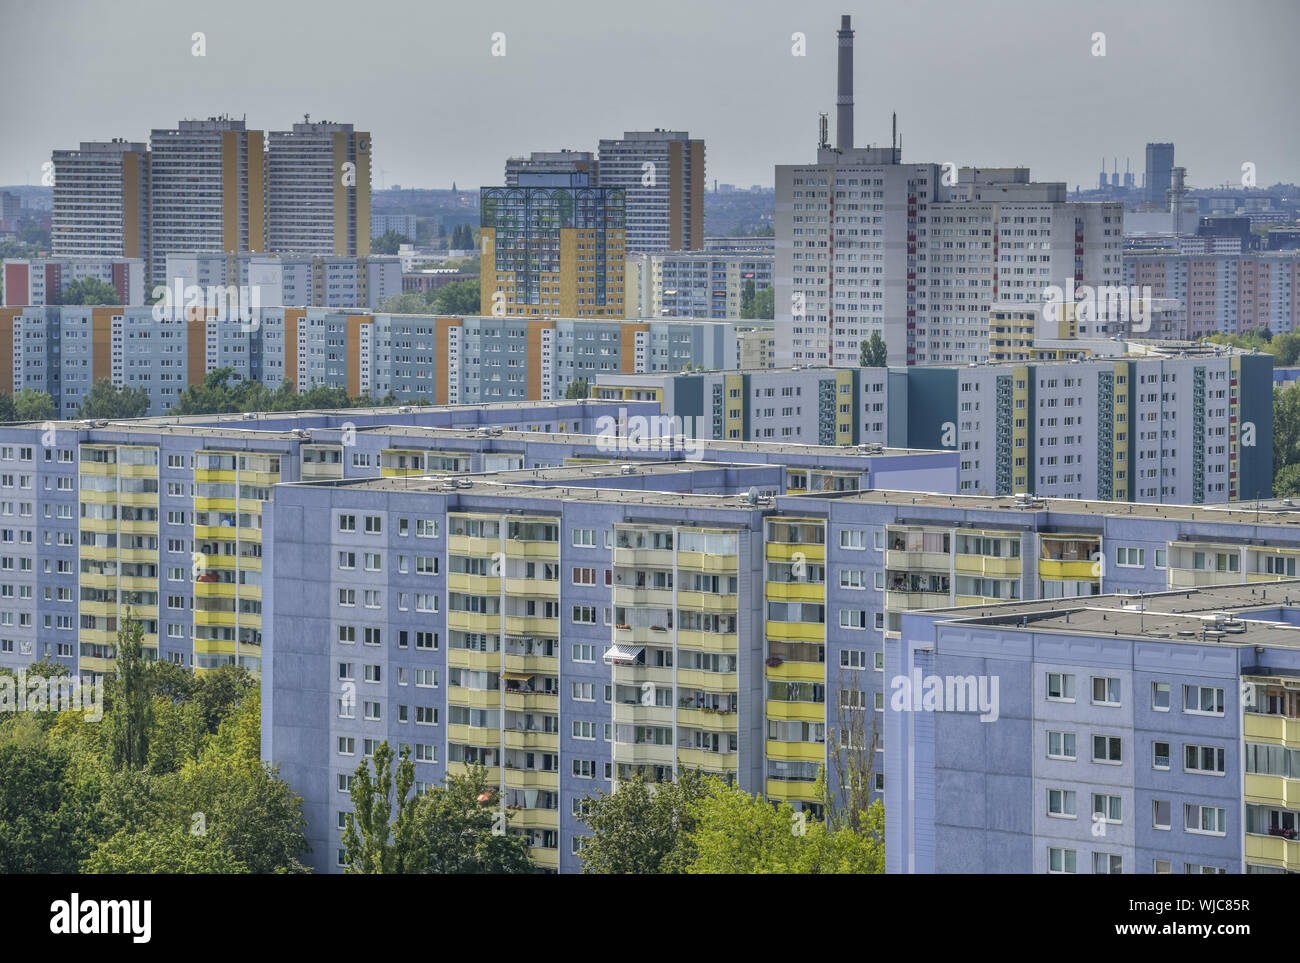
(985, 82)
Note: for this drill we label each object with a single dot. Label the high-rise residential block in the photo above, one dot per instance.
(101, 201)
(553, 246)
(318, 190)
(208, 189)
(661, 172)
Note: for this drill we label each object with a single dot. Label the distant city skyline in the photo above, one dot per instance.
(1007, 84)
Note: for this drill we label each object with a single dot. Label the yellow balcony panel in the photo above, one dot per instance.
(90, 664)
(706, 601)
(532, 625)
(547, 702)
(530, 739)
(138, 528)
(642, 754)
(1279, 730)
(908, 601)
(215, 590)
(215, 505)
(214, 477)
(249, 563)
(97, 637)
(796, 711)
(635, 714)
(796, 591)
(100, 581)
(531, 779)
(642, 597)
(706, 719)
(625, 674)
(661, 558)
(797, 672)
(535, 664)
(400, 472)
(472, 547)
(988, 565)
(493, 773)
(250, 534)
(543, 550)
(96, 467)
(644, 635)
(545, 858)
(473, 584)
(97, 498)
(533, 587)
(534, 819)
(1265, 577)
(250, 477)
(1274, 790)
(136, 555)
(1084, 570)
(781, 790)
(220, 533)
(1273, 851)
(703, 562)
(474, 660)
(706, 760)
(787, 552)
(137, 471)
(215, 618)
(474, 736)
(796, 631)
(474, 698)
(218, 647)
(708, 681)
(473, 621)
(902, 561)
(796, 751)
(1194, 577)
(708, 641)
(98, 525)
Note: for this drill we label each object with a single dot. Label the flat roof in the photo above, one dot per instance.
(1220, 614)
(1235, 513)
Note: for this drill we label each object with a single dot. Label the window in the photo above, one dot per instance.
(1060, 802)
(1061, 745)
(374, 524)
(347, 746)
(1203, 700)
(1105, 691)
(1206, 820)
(1107, 863)
(1107, 808)
(1060, 687)
(1160, 755)
(584, 691)
(852, 538)
(584, 538)
(1062, 860)
(347, 523)
(1160, 813)
(1130, 557)
(1160, 696)
(1208, 759)
(584, 653)
(1106, 749)
(584, 730)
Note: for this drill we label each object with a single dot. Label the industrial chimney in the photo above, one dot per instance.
(844, 98)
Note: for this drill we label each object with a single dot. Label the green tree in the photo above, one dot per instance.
(763, 307)
(162, 850)
(388, 243)
(1286, 441)
(89, 291)
(736, 833)
(873, 352)
(642, 829)
(458, 298)
(106, 400)
(1286, 349)
(408, 302)
(578, 388)
(32, 405)
(747, 300)
(371, 843)
(132, 715)
(465, 829)
(46, 818)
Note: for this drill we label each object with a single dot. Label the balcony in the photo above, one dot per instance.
(781, 790)
(988, 565)
(533, 819)
(1279, 730)
(796, 591)
(642, 754)
(661, 558)
(712, 719)
(474, 659)
(1273, 851)
(641, 596)
(796, 711)
(707, 760)
(789, 671)
(1071, 570)
(1194, 577)
(532, 779)
(786, 552)
(1273, 790)
(532, 739)
(908, 601)
(937, 562)
(474, 736)
(633, 713)
(548, 702)
(796, 751)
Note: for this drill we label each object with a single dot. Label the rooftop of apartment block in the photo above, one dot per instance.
(1269, 512)
(1223, 614)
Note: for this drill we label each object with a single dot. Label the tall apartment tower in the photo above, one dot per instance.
(101, 200)
(208, 190)
(553, 246)
(318, 190)
(661, 173)
(919, 253)
(1160, 166)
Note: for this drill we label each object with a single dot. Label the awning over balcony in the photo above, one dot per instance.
(518, 676)
(624, 653)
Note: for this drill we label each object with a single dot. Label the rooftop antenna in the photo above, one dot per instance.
(893, 140)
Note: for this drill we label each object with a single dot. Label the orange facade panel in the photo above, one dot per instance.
(627, 345)
(356, 331)
(7, 316)
(292, 318)
(101, 343)
(442, 326)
